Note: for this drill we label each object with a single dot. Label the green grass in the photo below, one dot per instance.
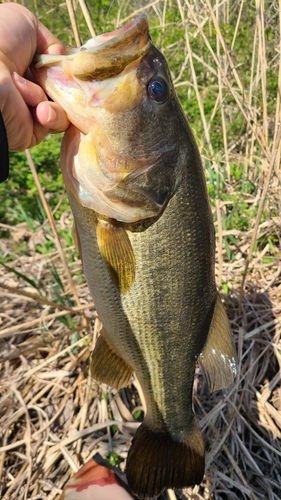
(230, 176)
(234, 118)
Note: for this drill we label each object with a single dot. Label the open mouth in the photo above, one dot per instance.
(104, 56)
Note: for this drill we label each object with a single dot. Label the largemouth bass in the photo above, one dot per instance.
(145, 234)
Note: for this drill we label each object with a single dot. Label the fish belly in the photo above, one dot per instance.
(159, 326)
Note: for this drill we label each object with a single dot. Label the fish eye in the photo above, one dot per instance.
(158, 89)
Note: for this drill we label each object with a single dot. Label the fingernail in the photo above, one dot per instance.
(18, 78)
(52, 115)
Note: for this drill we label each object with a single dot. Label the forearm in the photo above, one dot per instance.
(4, 146)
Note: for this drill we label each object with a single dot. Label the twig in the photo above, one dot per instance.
(17, 329)
(194, 79)
(138, 11)
(87, 17)
(52, 224)
(90, 430)
(276, 147)
(220, 258)
(33, 296)
(72, 18)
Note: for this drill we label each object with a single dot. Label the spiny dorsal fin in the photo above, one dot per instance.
(218, 358)
(108, 367)
(116, 250)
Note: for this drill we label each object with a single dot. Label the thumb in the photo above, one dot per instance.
(50, 115)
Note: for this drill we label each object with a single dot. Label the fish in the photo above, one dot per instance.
(145, 234)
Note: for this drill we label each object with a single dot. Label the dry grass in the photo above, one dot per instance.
(53, 416)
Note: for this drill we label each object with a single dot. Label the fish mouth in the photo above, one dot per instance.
(99, 88)
(104, 56)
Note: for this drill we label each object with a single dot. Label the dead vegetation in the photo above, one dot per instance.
(53, 416)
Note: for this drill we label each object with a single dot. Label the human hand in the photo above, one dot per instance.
(26, 111)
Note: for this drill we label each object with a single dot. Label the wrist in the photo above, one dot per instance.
(5, 85)
(4, 151)
(5, 82)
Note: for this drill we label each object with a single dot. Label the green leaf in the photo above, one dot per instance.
(20, 275)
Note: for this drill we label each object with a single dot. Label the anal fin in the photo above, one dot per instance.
(108, 367)
(218, 358)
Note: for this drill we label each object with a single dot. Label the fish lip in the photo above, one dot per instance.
(113, 41)
(123, 35)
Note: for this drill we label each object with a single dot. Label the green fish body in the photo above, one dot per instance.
(144, 230)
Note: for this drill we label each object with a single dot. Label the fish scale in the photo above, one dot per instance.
(144, 230)
(167, 312)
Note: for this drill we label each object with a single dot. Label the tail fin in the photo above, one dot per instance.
(157, 462)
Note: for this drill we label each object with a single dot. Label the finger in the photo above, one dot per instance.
(47, 43)
(22, 129)
(22, 35)
(48, 114)
(39, 132)
(31, 93)
(52, 116)
(16, 115)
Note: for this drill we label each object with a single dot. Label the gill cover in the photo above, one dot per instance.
(117, 157)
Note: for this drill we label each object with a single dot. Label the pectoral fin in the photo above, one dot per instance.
(108, 367)
(116, 250)
(218, 358)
